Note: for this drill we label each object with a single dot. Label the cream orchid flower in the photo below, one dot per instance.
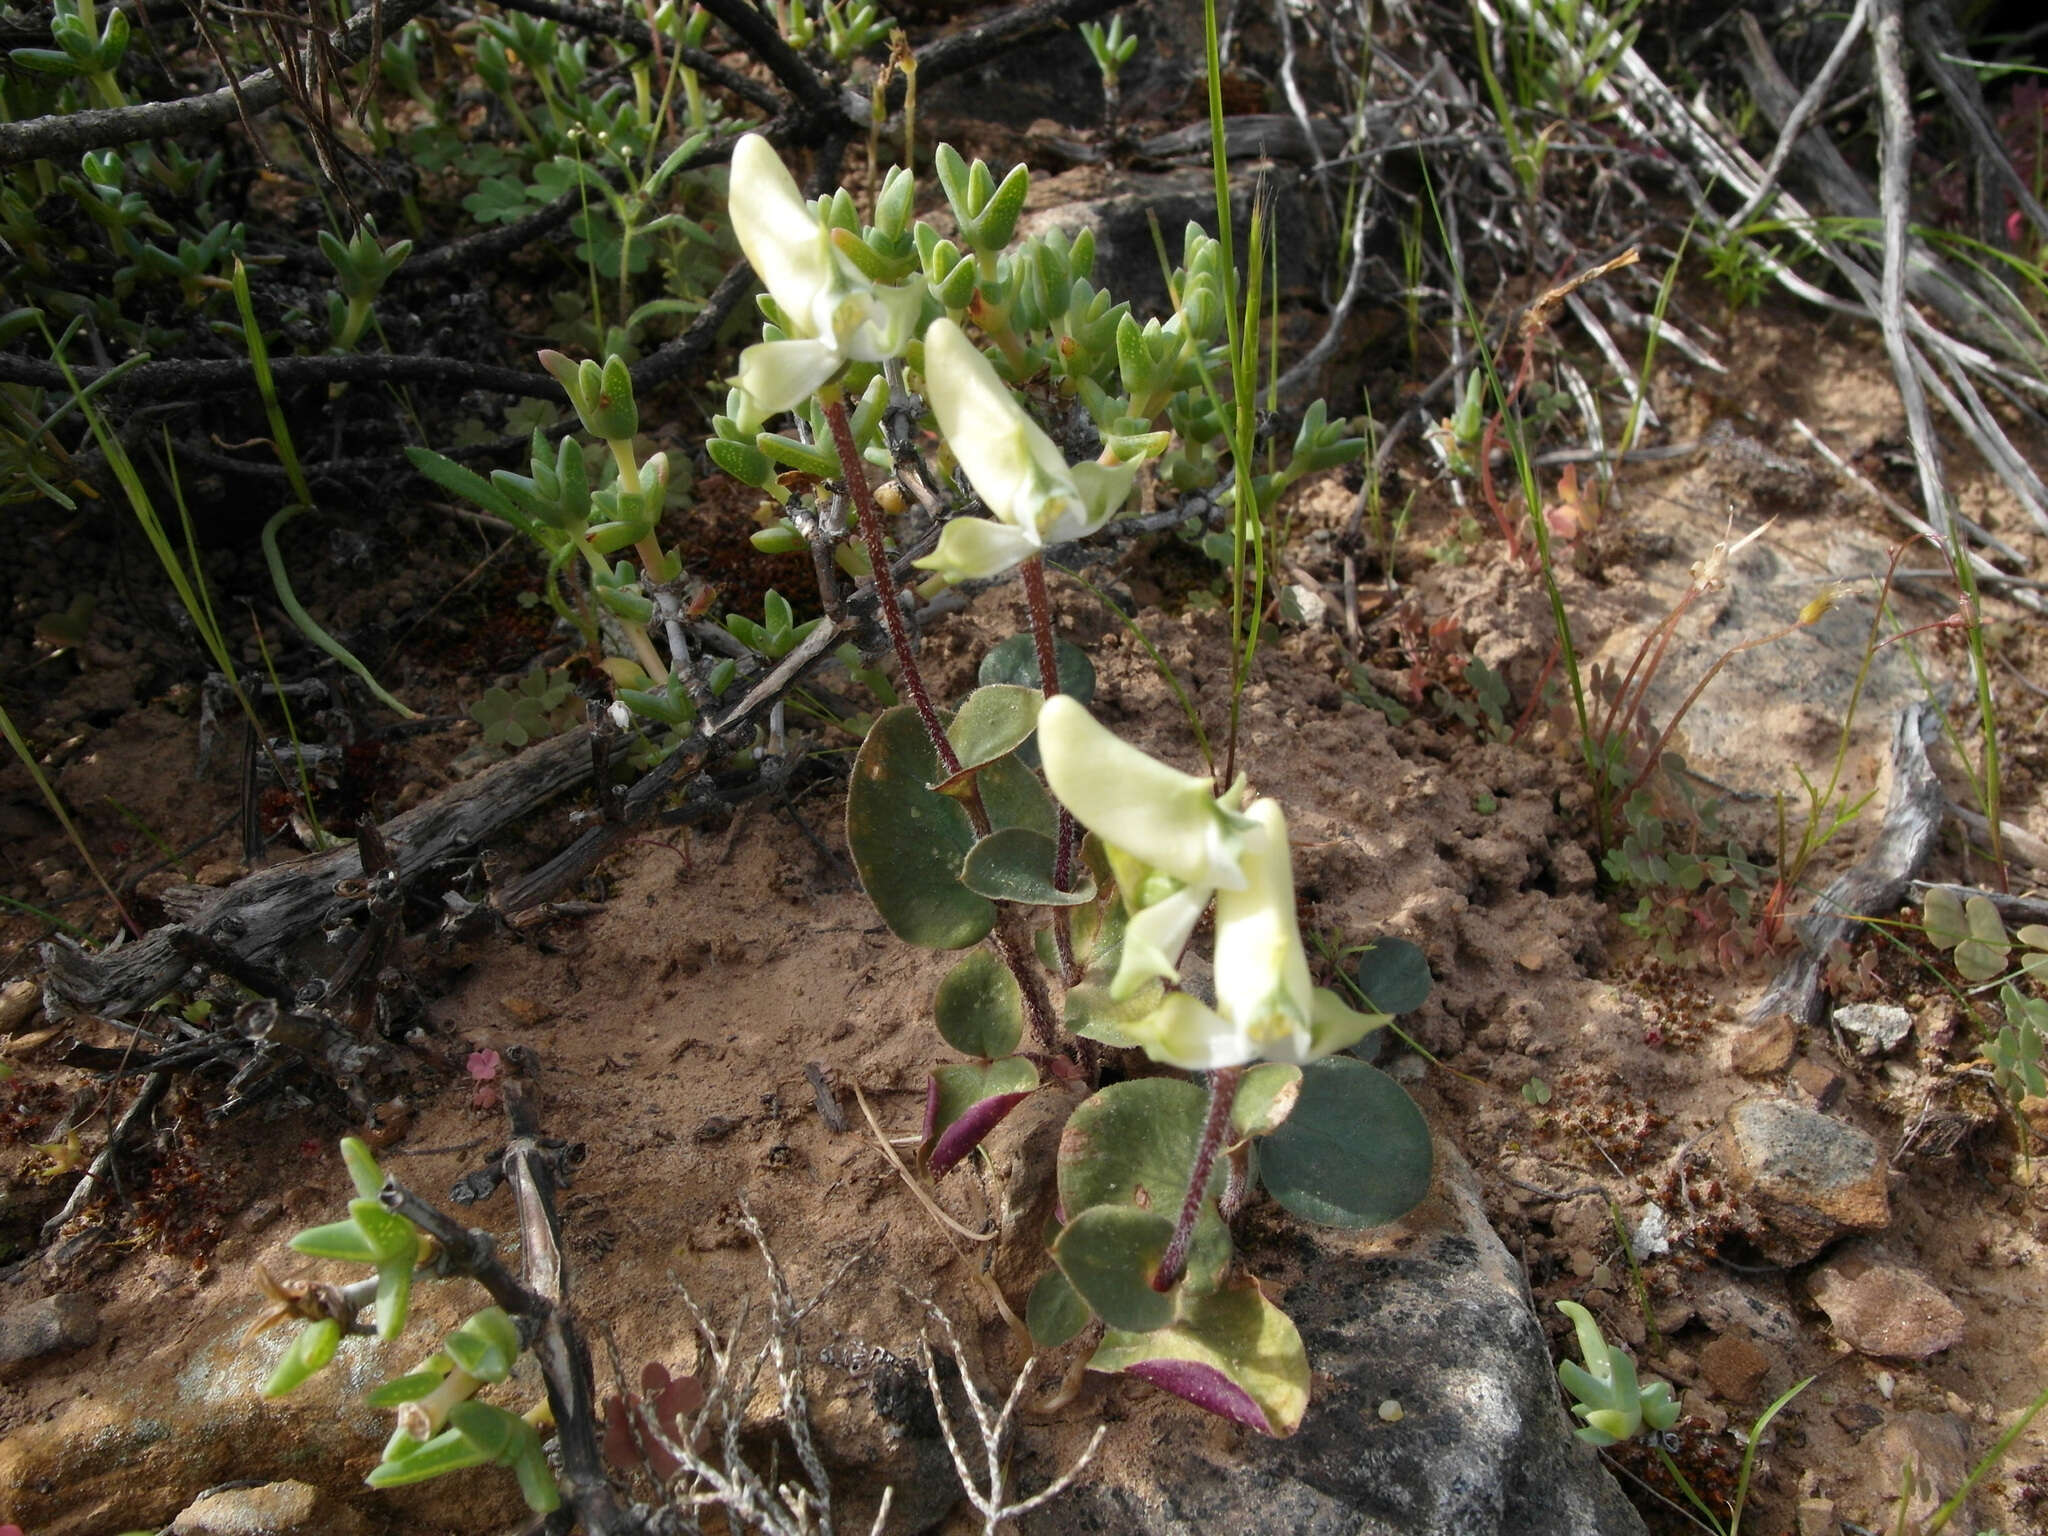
(1034, 496)
(834, 314)
(1267, 1006)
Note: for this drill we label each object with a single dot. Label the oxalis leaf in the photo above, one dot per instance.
(992, 723)
(966, 1100)
(1231, 1352)
(909, 842)
(1055, 1312)
(1355, 1152)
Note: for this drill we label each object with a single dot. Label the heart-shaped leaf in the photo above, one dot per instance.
(1134, 1144)
(1231, 1352)
(1355, 1152)
(980, 1008)
(1109, 1254)
(967, 1100)
(1016, 864)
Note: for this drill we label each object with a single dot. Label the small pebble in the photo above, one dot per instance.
(1391, 1411)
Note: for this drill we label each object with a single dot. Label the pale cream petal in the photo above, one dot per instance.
(974, 548)
(1169, 819)
(780, 375)
(783, 241)
(1184, 1032)
(1262, 977)
(1154, 938)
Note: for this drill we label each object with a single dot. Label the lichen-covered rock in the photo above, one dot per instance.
(1429, 1314)
(1807, 1178)
(269, 1509)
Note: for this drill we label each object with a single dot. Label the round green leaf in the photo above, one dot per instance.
(908, 842)
(1055, 1312)
(1016, 864)
(1016, 661)
(1395, 975)
(1109, 1255)
(1356, 1152)
(1013, 796)
(993, 723)
(1232, 1352)
(980, 1008)
(1134, 1144)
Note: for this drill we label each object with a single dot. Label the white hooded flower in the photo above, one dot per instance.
(835, 314)
(1033, 495)
(1267, 1007)
(1172, 840)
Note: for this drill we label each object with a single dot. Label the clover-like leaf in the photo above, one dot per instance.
(1394, 974)
(1055, 1312)
(1133, 1143)
(1017, 864)
(993, 722)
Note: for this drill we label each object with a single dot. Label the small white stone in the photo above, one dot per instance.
(1878, 1027)
(1652, 1235)
(1391, 1411)
(1887, 1384)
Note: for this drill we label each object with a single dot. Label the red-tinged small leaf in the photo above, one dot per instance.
(965, 1101)
(484, 1065)
(967, 1133)
(1204, 1386)
(620, 1448)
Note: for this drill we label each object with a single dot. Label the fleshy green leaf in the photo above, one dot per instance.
(1134, 1144)
(1055, 1312)
(980, 1008)
(312, 1349)
(1355, 1152)
(1231, 1352)
(1017, 865)
(1109, 1254)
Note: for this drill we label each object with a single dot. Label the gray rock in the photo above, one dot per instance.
(1732, 1307)
(1806, 1177)
(1431, 1314)
(47, 1327)
(270, 1509)
(1877, 1027)
(1937, 1447)
(1885, 1309)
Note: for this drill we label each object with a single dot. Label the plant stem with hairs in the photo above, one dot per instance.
(1222, 1095)
(1049, 681)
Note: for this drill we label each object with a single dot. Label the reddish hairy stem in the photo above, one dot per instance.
(869, 516)
(1222, 1094)
(1049, 682)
